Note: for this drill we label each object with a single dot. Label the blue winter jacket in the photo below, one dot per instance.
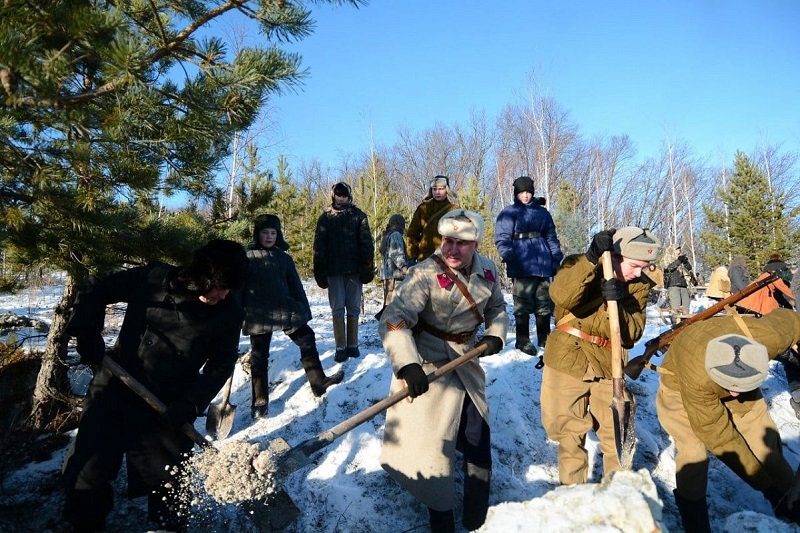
(530, 255)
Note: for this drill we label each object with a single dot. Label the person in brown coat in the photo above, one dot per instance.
(422, 235)
(429, 323)
(576, 384)
(709, 401)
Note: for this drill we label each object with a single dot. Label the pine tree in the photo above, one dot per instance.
(755, 224)
(104, 106)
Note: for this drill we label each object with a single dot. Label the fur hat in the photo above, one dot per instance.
(269, 221)
(736, 363)
(636, 243)
(440, 181)
(523, 184)
(461, 224)
(220, 264)
(342, 189)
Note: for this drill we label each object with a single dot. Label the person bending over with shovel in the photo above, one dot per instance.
(274, 299)
(577, 386)
(433, 319)
(178, 320)
(709, 401)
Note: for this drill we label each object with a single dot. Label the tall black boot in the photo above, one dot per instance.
(442, 521)
(523, 342)
(316, 376)
(477, 480)
(260, 403)
(694, 514)
(542, 331)
(352, 337)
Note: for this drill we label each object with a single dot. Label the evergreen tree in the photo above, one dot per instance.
(104, 106)
(570, 219)
(755, 224)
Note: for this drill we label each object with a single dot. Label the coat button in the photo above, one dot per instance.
(180, 353)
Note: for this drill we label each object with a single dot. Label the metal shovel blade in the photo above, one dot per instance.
(278, 511)
(219, 419)
(624, 430)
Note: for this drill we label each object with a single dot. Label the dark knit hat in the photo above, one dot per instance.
(523, 184)
(342, 189)
(269, 221)
(736, 363)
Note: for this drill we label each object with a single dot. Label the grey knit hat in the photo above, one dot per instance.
(636, 243)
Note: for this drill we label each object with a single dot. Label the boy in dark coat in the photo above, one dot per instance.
(178, 321)
(273, 300)
(525, 236)
(343, 262)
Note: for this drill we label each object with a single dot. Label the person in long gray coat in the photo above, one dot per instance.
(429, 323)
(274, 299)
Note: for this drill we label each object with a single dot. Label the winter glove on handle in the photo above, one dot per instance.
(683, 259)
(91, 347)
(415, 378)
(601, 242)
(613, 289)
(179, 413)
(493, 345)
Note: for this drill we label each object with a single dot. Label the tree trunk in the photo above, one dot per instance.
(49, 397)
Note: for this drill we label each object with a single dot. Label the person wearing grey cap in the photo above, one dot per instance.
(709, 401)
(422, 236)
(433, 319)
(576, 384)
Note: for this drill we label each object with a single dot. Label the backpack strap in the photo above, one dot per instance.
(461, 287)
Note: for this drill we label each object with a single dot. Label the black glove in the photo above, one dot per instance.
(683, 259)
(415, 378)
(366, 273)
(494, 345)
(179, 413)
(613, 289)
(777, 498)
(321, 279)
(91, 347)
(601, 242)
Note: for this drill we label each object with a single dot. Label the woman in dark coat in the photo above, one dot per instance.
(274, 299)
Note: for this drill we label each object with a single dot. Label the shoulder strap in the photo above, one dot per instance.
(460, 284)
(739, 320)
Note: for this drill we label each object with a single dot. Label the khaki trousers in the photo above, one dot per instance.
(691, 456)
(570, 408)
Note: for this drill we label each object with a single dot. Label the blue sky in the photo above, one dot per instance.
(720, 75)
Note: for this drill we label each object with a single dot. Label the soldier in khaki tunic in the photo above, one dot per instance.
(422, 236)
(709, 400)
(576, 384)
(430, 322)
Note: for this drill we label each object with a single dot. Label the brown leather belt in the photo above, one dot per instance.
(575, 332)
(460, 338)
(530, 235)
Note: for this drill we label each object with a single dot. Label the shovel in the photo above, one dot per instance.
(219, 419)
(288, 459)
(622, 405)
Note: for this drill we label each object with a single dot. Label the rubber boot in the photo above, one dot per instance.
(352, 337)
(339, 339)
(524, 335)
(477, 480)
(442, 521)
(542, 331)
(316, 376)
(694, 514)
(260, 402)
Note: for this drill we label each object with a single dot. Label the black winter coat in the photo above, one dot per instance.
(166, 337)
(274, 297)
(675, 274)
(342, 243)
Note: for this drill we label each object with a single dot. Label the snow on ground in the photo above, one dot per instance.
(345, 490)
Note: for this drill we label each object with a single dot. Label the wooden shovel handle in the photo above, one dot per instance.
(323, 439)
(613, 319)
(159, 406)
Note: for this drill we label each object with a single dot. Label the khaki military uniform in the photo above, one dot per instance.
(701, 416)
(576, 384)
(420, 437)
(422, 235)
